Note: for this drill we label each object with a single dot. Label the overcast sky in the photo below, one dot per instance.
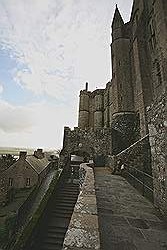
(48, 50)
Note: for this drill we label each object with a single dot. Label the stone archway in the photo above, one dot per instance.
(94, 143)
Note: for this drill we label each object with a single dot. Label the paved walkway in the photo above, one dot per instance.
(127, 221)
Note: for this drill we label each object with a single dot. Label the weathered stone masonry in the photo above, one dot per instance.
(87, 141)
(157, 124)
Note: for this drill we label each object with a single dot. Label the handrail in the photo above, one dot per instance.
(141, 182)
(131, 146)
(140, 171)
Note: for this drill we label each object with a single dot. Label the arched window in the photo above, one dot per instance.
(10, 182)
(152, 35)
(157, 74)
(28, 182)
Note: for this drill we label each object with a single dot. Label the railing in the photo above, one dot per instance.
(23, 213)
(134, 163)
(141, 180)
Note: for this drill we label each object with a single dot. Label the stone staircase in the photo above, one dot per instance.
(51, 231)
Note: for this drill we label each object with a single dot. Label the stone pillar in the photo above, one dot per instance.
(106, 105)
(83, 120)
(98, 113)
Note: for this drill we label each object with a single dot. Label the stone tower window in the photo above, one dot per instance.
(10, 182)
(28, 182)
(137, 19)
(152, 37)
(158, 73)
(120, 86)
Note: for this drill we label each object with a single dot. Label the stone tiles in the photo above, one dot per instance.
(127, 220)
(83, 232)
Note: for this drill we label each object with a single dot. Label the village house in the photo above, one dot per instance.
(26, 172)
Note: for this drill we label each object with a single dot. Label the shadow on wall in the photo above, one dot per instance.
(125, 131)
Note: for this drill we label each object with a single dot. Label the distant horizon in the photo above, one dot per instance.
(16, 150)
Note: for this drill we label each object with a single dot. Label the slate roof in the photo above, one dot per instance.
(37, 164)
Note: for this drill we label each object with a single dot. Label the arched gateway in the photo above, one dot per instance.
(87, 143)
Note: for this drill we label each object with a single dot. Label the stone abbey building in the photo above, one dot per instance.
(138, 53)
(131, 109)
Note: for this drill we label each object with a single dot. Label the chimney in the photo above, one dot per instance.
(22, 155)
(39, 153)
(86, 87)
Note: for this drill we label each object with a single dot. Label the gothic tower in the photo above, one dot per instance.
(121, 65)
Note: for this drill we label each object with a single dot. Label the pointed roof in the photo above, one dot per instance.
(117, 20)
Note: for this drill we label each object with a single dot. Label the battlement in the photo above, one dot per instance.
(85, 92)
(97, 92)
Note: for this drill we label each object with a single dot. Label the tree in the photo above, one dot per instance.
(58, 151)
(6, 161)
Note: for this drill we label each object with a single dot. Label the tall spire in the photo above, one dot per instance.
(117, 20)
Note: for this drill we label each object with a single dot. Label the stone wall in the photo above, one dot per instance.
(3, 192)
(88, 142)
(157, 123)
(134, 163)
(125, 127)
(83, 230)
(137, 155)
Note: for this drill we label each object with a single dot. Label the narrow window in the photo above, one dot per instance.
(28, 182)
(159, 77)
(137, 19)
(10, 182)
(152, 39)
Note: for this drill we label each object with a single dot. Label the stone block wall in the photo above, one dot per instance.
(83, 230)
(3, 191)
(125, 127)
(157, 124)
(134, 163)
(87, 141)
(137, 156)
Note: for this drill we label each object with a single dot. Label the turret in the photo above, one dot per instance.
(117, 25)
(121, 66)
(83, 120)
(98, 108)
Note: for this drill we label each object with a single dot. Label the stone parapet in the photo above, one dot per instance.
(83, 231)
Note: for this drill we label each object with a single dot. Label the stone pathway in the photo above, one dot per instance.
(127, 221)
